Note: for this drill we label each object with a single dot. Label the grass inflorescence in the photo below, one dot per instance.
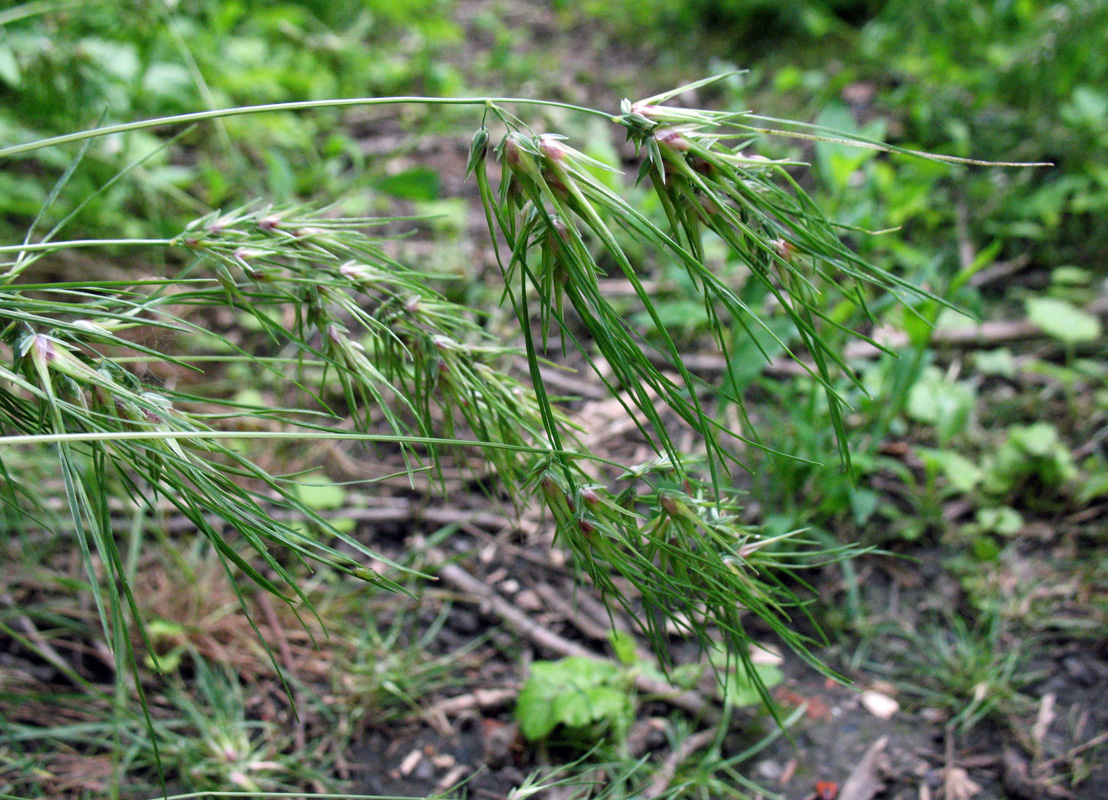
(365, 348)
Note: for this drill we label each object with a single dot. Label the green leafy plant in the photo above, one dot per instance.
(1063, 320)
(596, 699)
(84, 64)
(1030, 453)
(973, 672)
(577, 692)
(948, 406)
(1011, 77)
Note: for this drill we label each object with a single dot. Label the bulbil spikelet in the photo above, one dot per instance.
(551, 148)
(518, 153)
(47, 355)
(269, 222)
(478, 150)
(358, 273)
(554, 155)
(673, 139)
(552, 490)
(700, 165)
(708, 207)
(558, 234)
(557, 500)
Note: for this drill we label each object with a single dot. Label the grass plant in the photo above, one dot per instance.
(971, 672)
(365, 350)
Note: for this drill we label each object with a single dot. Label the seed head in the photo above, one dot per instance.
(518, 153)
(701, 165)
(354, 271)
(478, 149)
(513, 153)
(552, 490)
(590, 497)
(646, 110)
(244, 254)
(708, 206)
(673, 506)
(553, 149)
(673, 139)
(41, 347)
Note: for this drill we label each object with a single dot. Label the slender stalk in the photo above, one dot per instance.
(119, 436)
(75, 243)
(299, 105)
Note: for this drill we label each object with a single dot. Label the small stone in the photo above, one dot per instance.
(768, 769)
(880, 705)
(529, 601)
(443, 760)
(765, 654)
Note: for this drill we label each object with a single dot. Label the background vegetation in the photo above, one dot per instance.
(977, 440)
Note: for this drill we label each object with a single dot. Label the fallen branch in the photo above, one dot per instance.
(478, 698)
(457, 577)
(665, 774)
(863, 782)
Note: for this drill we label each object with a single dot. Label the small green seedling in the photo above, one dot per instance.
(948, 405)
(595, 699)
(1030, 453)
(590, 696)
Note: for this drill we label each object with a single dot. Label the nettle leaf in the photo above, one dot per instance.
(1030, 451)
(1004, 520)
(575, 692)
(1040, 439)
(623, 644)
(995, 362)
(10, 72)
(1064, 321)
(580, 708)
(535, 712)
(837, 162)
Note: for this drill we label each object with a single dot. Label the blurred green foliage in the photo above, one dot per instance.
(86, 64)
(1019, 80)
(997, 79)
(1013, 80)
(752, 23)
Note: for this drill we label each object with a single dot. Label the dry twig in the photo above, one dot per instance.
(457, 577)
(665, 774)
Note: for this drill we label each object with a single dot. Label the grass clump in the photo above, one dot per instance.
(359, 347)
